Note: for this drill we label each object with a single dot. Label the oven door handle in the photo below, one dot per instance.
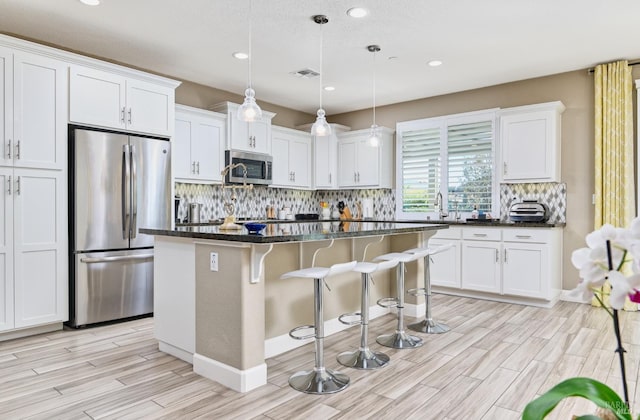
(89, 260)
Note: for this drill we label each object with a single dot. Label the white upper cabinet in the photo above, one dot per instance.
(250, 137)
(34, 118)
(530, 138)
(362, 165)
(112, 100)
(198, 145)
(291, 150)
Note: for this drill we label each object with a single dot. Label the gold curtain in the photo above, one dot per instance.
(614, 172)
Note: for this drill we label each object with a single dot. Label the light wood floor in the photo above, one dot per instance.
(496, 358)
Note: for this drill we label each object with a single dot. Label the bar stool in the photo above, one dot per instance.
(320, 380)
(428, 325)
(365, 358)
(399, 339)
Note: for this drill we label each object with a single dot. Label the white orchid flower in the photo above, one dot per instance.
(583, 293)
(621, 287)
(592, 264)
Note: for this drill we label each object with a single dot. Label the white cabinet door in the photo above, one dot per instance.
(97, 98)
(6, 106)
(347, 171)
(300, 162)
(481, 266)
(39, 111)
(325, 161)
(260, 133)
(6, 251)
(198, 145)
(281, 172)
(104, 99)
(524, 270)
(445, 266)
(530, 143)
(250, 137)
(149, 108)
(368, 164)
(40, 247)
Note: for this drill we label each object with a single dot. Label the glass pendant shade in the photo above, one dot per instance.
(374, 136)
(249, 110)
(321, 127)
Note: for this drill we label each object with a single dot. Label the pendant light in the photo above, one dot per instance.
(374, 135)
(321, 127)
(249, 110)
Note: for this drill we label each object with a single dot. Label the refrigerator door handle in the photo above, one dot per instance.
(134, 194)
(126, 194)
(90, 260)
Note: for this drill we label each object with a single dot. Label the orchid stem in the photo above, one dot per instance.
(616, 327)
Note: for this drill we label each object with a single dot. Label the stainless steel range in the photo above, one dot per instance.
(118, 183)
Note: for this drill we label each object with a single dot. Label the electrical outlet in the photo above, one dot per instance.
(214, 261)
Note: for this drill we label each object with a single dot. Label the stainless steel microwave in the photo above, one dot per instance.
(258, 167)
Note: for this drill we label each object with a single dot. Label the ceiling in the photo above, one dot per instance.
(481, 43)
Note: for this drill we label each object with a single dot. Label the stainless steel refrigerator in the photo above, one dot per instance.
(118, 184)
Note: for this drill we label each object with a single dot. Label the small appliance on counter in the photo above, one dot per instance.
(528, 211)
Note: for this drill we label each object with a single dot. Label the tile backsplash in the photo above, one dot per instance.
(253, 203)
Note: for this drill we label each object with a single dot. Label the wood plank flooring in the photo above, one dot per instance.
(496, 358)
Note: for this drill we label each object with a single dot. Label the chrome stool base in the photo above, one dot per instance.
(399, 340)
(429, 326)
(363, 359)
(322, 381)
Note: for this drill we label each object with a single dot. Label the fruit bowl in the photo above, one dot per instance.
(255, 227)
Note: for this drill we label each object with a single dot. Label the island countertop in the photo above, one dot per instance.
(299, 231)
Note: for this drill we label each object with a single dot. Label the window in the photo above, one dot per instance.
(452, 155)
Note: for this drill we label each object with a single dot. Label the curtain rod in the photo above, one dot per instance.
(631, 63)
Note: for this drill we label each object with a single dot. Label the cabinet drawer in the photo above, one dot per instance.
(451, 233)
(482, 234)
(526, 235)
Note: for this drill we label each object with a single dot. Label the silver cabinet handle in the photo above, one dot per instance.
(523, 236)
(18, 149)
(9, 150)
(193, 167)
(122, 115)
(129, 115)
(89, 260)
(329, 177)
(505, 255)
(497, 256)
(198, 167)
(9, 186)
(504, 168)
(358, 176)
(355, 177)
(481, 235)
(18, 186)
(294, 176)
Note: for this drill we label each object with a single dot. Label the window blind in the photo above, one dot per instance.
(421, 169)
(470, 165)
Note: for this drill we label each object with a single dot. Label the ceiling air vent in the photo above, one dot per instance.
(306, 73)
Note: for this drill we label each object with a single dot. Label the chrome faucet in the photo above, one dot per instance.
(441, 213)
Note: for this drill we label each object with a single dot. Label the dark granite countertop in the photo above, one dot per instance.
(491, 222)
(298, 231)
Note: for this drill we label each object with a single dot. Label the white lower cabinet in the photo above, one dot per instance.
(506, 263)
(33, 248)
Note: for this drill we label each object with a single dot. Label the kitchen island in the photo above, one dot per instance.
(219, 302)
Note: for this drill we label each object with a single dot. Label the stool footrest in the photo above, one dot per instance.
(388, 302)
(293, 332)
(420, 291)
(344, 318)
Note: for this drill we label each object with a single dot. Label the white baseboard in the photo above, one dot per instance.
(238, 380)
(175, 351)
(416, 311)
(283, 343)
(25, 332)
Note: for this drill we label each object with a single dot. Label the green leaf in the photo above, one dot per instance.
(588, 388)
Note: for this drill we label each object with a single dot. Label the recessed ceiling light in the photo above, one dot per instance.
(90, 2)
(329, 88)
(240, 55)
(435, 63)
(357, 12)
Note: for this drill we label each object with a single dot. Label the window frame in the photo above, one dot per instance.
(443, 122)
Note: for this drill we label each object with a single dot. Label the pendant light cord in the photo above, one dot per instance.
(250, 36)
(374, 87)
(321, 70)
